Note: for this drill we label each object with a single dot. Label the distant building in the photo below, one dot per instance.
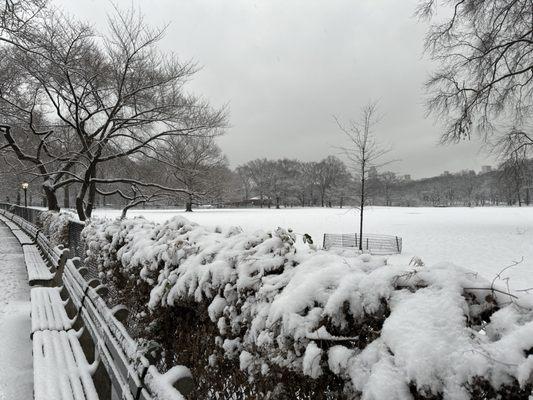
(486, 168)
(407, 177)
(445, 173)
(373, 172)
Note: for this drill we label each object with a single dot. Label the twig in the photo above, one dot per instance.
(498, 275)
(492, 290)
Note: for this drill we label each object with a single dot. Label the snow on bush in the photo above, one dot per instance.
(389, 332)
(55, 226)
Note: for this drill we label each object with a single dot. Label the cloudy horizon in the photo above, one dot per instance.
(284, 69)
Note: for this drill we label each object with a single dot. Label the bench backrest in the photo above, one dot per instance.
(26, 226)
(54, 254)
(129, 372)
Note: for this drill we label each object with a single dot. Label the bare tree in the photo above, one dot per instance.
(245, 181)
(363, 152)
(308, 183)
(17, 16)
(192, 162)
(261, 173)
(388, 180)
(284, 173)
(329, 171)
(514, 149)
(485, 53)
(118, 95)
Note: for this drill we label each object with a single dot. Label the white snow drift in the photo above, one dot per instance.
(386, 330)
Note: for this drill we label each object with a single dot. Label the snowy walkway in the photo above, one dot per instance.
(16, 371)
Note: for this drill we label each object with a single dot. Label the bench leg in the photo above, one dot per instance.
(101, 379)
(102, 383)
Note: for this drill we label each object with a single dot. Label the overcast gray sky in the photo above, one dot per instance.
(285, 67)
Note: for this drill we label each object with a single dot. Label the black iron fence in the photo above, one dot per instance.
(374, 244)
(28, 213)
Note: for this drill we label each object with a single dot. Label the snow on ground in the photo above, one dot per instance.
(484, 239)
(16, 371)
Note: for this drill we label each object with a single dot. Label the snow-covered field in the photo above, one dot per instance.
(482, 239)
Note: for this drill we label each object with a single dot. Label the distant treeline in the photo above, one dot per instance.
(293, 183)
(503, 186)
(268, 183)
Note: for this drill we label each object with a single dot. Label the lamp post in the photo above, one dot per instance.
(25, 188)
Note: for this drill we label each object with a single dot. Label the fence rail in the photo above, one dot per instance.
(375, 244)
(28, 213)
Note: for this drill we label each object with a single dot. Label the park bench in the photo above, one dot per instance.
(6, 219)
(38, 271)
(43, 262)
(26, 226)
(60, 368)
(48, 310)
(115, 356)
(81, 349)
(21, 236)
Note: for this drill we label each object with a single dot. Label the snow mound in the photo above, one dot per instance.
(387, 331)
(55, 226)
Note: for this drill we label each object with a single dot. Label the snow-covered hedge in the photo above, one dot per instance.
(55, 226)
(384, 332)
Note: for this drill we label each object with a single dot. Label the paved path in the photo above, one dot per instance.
(16, 369)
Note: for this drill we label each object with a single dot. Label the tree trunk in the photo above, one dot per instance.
(90, 201)
(361, 211)
(66, 197)
(83, 191)
(80, 209)
(188, 204)
(518, 196)
(51, 199)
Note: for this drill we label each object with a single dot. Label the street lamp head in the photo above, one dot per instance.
(25, 185)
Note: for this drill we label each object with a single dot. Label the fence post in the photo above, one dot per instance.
(356, 246)
(397, 244)
(324, 241)
(367, 243)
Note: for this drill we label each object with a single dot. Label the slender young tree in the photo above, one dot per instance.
(363, 152)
